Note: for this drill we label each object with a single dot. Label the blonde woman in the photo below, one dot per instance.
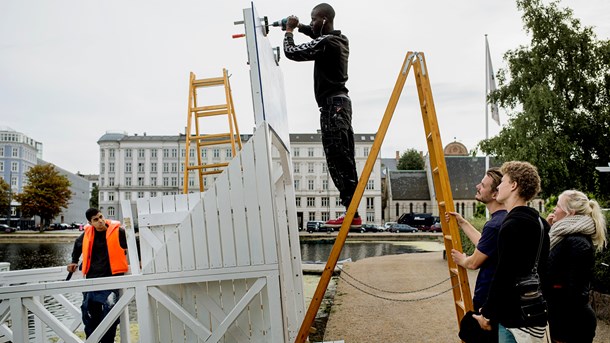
(578, 229)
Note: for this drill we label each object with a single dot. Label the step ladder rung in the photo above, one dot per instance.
(212, 81)
(209, 136)
(216, 142)
(448, 237)
(461, 305)
(209, 108)
(429, 136)
(435, 170)
(207, 166)
(441, 204)
(210, 172)
(201, 114)
(454, 271)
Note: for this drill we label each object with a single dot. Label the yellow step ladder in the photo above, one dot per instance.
(451, 236)
(200, 140)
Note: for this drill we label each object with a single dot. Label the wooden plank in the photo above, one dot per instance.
(200, 240)
(200, 291)
(212, 302)
(19, 320)
(224, 206)
(185, 234)
(264, 190)
(146, 326)
(212, 228)
(255, 237)
(242, 322)
(190, 306)
(146, 250)
(172, 242)
(240, 229)
(168, 217)
(132, 248)
(177, 325)
(228, 303)
(48, 318)
(273, 312)
(160, 256)
(259, 330)
(163, 315)
(40, 336)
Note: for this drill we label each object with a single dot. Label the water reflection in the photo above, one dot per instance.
(35, 255)
(318, 251)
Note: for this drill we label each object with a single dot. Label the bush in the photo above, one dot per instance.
(467, 246)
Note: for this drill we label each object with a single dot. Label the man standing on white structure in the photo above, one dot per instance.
(102, 246)
(330, 51)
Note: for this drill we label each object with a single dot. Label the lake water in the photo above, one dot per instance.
(41, 255)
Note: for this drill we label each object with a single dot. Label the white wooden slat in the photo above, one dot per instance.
(174, 258)
(212, 228)
(113, 315)
(295, 251)
(200, 291)
(178, 311)
(144, 305)
(190, 306)
(185, 234)
(178, 327)
(200, 240)
(132, 248)
(32, 275)
(160, 256)
(213, 303)
(6, 334)
(40, 335)
(257, 314)
(263, 171)
(146, 250)
(255, 242)
(124, 330)
(273, 315)
(243, 322)
(165, 218)
(237, 309)
(228, 303)
(224, 206)
(240, 228)
(48, 318)
(19, 319)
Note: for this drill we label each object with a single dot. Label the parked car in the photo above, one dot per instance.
(402, 228)
(372, 228)
(316, 226)
(7, 229)
(387, 225)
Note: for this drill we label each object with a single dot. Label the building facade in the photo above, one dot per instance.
(142, 166)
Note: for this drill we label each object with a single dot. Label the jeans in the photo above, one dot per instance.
(94, 309)
(504, 336)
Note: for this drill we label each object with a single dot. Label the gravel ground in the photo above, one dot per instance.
(359, 317)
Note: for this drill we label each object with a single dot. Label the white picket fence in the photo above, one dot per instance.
(218, 266)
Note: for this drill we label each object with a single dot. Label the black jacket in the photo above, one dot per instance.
(518, 242)
(330, 53)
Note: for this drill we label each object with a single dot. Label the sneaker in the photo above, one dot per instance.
(356, 222)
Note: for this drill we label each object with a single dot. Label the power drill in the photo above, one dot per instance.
(282, 23)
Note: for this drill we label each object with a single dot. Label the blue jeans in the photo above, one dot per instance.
(95, 307)
(505, 336)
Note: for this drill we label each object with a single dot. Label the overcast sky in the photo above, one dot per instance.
(72, 70)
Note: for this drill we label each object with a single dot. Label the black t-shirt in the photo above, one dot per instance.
(100, 262)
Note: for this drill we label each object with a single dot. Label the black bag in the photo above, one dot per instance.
(533, 305)
(471, 332)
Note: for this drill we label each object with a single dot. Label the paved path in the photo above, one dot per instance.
(358, 317)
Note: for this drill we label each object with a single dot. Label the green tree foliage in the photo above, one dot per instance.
(4, 196)
(410, 160)
(45, 194)
(557, 92)
(94, 200)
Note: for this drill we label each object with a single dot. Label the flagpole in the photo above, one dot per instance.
(486, 112)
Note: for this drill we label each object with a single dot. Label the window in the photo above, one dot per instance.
(102, 168)
(140, 167)
(366, 151)
(153, 194)
(13, 181)
(325, 185)
(14, 166)
(127, 195)
(153, 153)
(370, 217)
(128, 181)
(140, 195)
(165, 153)
(15, 152)
(324, 201)
(174, 167)
(111, 167)
(297, 185)
(296, 152)
(165, 167)
(397, 210)
(128, 167)
(310, 184)
(110, 196)
(325, 216)
(339, 214)
(296, 167)
(312, 216)
(183, 152)
(370, 203)
(111, 211)
(216, 153)
(311, 201)
(310, 167)
(174, 181)
(204, 153)
(1, 166)
(153, 167)
(370, 184)
(111, 153)
(228, 153)
(111, 181)
(128, 153)
(166, 181)
(324, 168)
(298, 201)
(141, 153)
(140, 181)
(174, 152)
(310, 152)
(337, 202)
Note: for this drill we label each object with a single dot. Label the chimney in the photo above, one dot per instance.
(397, 155)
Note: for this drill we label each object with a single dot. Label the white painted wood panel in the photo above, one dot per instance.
(212, 228)
(257, 254)
(240, 229)
(185, 233)
(224, 205)
(172, 243)
(200, 240)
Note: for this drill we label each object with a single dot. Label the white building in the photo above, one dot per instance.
(142, 166)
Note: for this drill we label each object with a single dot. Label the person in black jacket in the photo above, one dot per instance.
(518, 244)
(330, 51)
(578, 226)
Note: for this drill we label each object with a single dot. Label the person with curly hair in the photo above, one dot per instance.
(519, 241)
(578, 229)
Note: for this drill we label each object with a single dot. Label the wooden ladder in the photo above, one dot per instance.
(202, 141)
(451, 236)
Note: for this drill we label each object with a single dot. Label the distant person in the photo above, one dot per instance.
(102, 246)
(485, 255)
(518, 246)
(330, 51)
(578, 229)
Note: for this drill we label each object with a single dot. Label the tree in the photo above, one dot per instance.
(94, 201)
(410, 160)
(4, 197)
(557, 91)
(45, 194)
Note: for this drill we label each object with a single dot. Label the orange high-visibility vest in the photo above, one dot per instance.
(116, 254)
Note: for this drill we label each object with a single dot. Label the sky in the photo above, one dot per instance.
(70, 71)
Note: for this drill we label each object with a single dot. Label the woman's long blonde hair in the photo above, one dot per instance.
(576, 202)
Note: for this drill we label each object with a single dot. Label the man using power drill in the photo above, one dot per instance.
(102, 246)
(329, 50)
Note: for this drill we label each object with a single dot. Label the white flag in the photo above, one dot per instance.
(491, 84)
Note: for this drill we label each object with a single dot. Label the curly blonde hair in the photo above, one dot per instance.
(525, 175)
